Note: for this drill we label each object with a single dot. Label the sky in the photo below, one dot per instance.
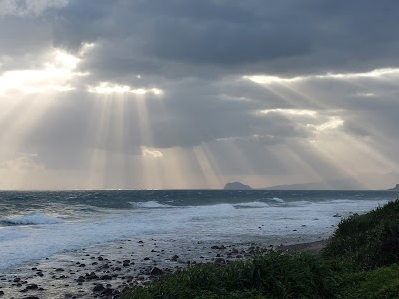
(180, 94)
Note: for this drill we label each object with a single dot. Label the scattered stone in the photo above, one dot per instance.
(107, 291)
(220, 261)
(98, 288)
(218, 247)
(156, 271)
(80, 279)
(32, 286)
(92, 275)
(106, 277)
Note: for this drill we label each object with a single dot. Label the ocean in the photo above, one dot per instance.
(36, 225)
(55, 229)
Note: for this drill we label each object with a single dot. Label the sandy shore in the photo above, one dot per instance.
(312, 247)
(106, 271)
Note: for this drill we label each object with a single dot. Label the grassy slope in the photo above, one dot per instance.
(367, 242)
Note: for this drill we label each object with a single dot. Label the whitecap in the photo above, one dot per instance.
(32, 219)
(276, 199)
(152, 204)
(254, 204)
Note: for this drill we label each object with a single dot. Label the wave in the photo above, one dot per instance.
(32, 219)
(254, 204)
(152, 204)
(276, 199)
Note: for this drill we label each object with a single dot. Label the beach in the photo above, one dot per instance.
(107, 271)
(99, 244)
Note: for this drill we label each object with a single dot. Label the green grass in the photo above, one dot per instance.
(274, 275)
(379, 283)
(364, 242)
(359, 262)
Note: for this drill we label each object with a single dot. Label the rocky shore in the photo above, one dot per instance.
(109, 270)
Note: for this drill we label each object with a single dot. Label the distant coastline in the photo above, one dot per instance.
(396, 188)
(336, 185)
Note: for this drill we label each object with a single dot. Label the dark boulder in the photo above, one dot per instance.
(156, 271)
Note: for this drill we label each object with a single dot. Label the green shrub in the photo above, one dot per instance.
(367, 241)
(381, 283)
(273, 275)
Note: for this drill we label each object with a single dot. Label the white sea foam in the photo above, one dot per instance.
(32, 219)
(276, 199)
(254, 204)
(152, 204)
(22, 243)
(7, 235)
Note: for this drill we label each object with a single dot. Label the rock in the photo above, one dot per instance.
(146, 258)
(220, 261)
(80, 279)
(106, 277)
(218, 247)
(92, 275)
(107, 291)
(156, 271)
(98, 288)
(59, 270)
(31, 297)
(100, 258)
(174, 258)
(1, 293)
(32, 286)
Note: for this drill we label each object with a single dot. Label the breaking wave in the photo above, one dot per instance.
(32, 219)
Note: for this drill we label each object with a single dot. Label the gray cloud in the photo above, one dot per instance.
(197, 53)
(186, 38)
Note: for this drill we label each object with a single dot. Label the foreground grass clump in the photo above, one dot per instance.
(274, 275)
(380, 283)
(367, 241)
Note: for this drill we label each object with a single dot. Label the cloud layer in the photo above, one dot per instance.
(264, 91)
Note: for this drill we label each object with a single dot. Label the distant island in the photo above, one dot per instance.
(396, 188)
(236, 186)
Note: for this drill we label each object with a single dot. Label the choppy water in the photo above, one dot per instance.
(36, 225)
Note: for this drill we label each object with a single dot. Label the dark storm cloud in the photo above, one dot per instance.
(186, 37)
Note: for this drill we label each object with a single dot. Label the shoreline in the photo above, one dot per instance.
(311, 247)
(107, 271)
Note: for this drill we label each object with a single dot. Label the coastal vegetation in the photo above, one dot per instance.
(361, 260)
